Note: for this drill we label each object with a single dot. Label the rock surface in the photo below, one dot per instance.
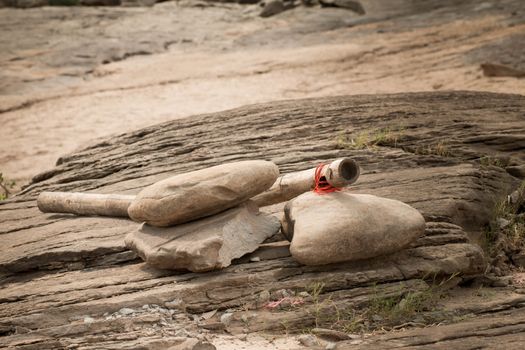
(206, 244)
(340, 226)
(197, 194)
(56, 61)
(59, 269)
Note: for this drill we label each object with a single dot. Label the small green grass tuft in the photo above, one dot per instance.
(5, 187)
(315, 291)
(369, 139)
(439, 149)
(510, 236)
(380, 311)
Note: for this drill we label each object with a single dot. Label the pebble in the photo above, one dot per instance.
(226, 318)
(377, 318)
(264, 296)
(209, 314)
(174, 304)
(126, 311)
(502, 223)
(183, 333)
(88, 319)
(308, 340)
(330, 334)
(330, 346)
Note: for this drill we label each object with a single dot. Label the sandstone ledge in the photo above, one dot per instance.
(56, 269)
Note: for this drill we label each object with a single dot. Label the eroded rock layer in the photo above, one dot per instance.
(64, 278)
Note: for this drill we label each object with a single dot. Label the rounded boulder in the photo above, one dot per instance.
(340, 226)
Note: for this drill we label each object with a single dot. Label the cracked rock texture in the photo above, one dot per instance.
(58, 269)
(71, 75)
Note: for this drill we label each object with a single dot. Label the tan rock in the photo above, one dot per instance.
(340, 226)
(207, 244)
(185, 197)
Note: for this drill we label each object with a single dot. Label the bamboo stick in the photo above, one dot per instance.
(339, 173)
(85, 203)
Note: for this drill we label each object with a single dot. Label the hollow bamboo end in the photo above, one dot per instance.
(342, 172)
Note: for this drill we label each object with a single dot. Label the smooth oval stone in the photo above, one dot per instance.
(340, 226)
(197, 194)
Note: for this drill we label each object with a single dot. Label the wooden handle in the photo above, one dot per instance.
(84, 203)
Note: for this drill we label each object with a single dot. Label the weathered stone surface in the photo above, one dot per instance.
(193, 195)
(206, 244)
(337, 227)
(503, 330)
(444, 188)
(452, 192)
(307, 52)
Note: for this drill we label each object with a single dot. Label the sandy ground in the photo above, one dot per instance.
(53, 109)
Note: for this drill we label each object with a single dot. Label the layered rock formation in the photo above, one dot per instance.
(65, 279)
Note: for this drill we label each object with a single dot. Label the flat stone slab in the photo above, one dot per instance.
(206, 244)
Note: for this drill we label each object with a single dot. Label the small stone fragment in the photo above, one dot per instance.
(208, 315)
(213, 326)
(330, 346)
(517, 199)
(226, 318)
(377, 318)
(330, 334)
(88, 319)
(175, 304)
(126, 311)
(502, 223)
(264, 296)
(308, 340)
